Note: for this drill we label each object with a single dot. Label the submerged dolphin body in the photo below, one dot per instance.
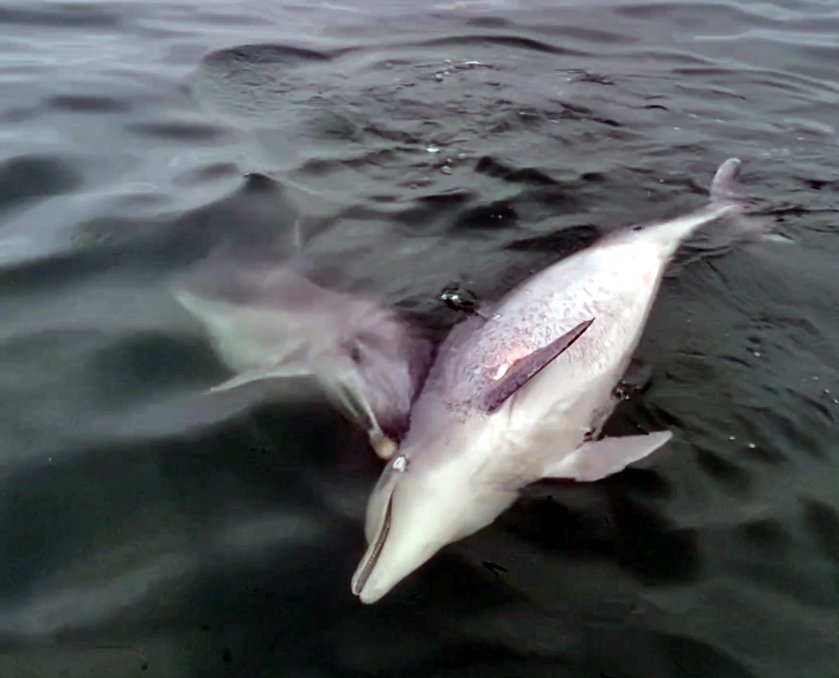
(273, 322)
(520, 394)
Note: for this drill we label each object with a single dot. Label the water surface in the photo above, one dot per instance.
(148, 531)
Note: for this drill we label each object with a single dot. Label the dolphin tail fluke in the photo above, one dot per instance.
(729, 209)
(725, 189)
(726, 192)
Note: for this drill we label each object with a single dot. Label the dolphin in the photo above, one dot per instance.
(520, 392)
(270, 322)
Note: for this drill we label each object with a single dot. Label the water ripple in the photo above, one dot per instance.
(410, 147)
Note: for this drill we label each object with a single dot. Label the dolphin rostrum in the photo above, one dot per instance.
(520, 393)
(271, 322)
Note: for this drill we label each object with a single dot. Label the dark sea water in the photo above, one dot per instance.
(148, 531)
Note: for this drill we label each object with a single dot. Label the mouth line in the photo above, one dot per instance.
(360, 580)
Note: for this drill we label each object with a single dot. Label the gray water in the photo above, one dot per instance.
(145, 530)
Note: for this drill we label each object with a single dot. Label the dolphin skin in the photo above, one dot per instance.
(272, 322)
(520, 392)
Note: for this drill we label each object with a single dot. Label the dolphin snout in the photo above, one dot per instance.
(369, 594)
(379, 572)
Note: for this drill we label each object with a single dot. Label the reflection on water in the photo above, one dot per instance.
(149, 530)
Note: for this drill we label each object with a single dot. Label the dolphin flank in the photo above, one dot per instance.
(521, 391)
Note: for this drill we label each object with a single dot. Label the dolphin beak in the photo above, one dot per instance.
(383, 445)
(390, 558)
(368, 563)
(375, 578)
(369, 595)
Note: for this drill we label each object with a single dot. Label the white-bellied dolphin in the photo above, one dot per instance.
(520, 392)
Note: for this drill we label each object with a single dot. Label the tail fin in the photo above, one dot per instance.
(724, 186)
(727, 193)
(727, 205)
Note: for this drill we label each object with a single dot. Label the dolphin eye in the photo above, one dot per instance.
(355, 354)
(400, 464)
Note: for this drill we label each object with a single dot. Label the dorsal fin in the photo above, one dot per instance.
(524, 369)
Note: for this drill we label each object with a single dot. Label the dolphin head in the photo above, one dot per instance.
(461, 462)
(374, 372)
(418, 506)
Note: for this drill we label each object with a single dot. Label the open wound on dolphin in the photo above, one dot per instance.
(511, 376)
(514, 355)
